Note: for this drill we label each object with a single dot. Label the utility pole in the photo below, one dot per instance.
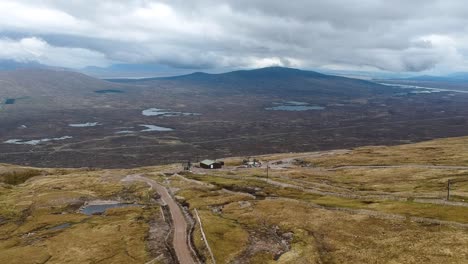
(448, 190)
(268, 168)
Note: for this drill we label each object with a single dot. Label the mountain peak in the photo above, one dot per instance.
(281, 70)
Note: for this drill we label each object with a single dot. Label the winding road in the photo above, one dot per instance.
(180, 244)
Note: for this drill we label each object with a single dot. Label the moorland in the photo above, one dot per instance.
(384, 204)
(56, 118)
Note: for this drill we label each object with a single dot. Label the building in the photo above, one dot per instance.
(251, 163)
(211, 164)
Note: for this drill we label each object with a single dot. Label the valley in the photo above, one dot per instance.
(233, 132)
(167, 120)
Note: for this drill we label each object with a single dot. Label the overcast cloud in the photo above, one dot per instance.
(397, 35)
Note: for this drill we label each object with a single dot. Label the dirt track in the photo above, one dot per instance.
(180, 244)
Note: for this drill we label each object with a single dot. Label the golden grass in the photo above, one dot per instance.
(32, 208)
(450, 151)
(118, 237)
(18, 176)
(332, 236)
(231, 216)
(226, 238)
(404, 182)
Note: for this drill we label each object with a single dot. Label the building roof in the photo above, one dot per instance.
(208, 162)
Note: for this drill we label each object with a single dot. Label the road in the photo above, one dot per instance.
(180, 244)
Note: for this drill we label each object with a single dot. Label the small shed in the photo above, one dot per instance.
(211, 164)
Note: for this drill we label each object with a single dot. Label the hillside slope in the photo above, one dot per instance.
(48, 82)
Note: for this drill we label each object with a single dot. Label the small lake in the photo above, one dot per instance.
(89, 124)
(93, 209)
(148, 128)
(165, 113)
(125, 132)
(294, 106)
(35, 141)
(151, 128)
(10, 101)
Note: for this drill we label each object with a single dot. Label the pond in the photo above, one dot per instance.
(148, 128)
(35, 141)
(89, 124)
(125, 132)
(10, 101)
(151, 128)
(93, 209)
(294, 108)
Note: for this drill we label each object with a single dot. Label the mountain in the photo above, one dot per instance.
(132, 71)
(15, 65)
(44, 82)
(271, 80)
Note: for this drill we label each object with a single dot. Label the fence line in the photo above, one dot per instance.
(204, 237)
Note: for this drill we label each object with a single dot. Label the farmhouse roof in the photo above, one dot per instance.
(208, 162)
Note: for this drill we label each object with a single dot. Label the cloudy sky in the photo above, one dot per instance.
(371, 35)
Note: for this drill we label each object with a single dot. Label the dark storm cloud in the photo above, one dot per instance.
(342, 34)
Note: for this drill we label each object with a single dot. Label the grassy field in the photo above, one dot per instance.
(40, 222)
(449, 151)
(322, 207)
(356, 214)
(328, 234)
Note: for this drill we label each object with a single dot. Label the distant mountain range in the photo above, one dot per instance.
(457, 81)
(277, 80)
(454, 77)
(74, 88)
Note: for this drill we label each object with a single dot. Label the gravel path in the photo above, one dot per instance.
(180, 242)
